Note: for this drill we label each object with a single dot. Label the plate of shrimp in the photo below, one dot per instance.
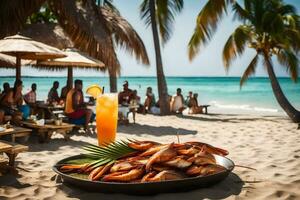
(151, 168)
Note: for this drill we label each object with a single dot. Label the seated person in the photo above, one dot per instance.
(135, 104)
(149, 101)
(125, 95)
(53, 97)
(195, 108)
(30, 97)
(177, 102)
(135, 99)
(2, 114)
(76, 108)
(188, 99)
(6, 89)
(12, 103)
(18, 99)
(64, 92)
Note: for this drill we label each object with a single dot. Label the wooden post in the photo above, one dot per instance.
(70, 77)
(18, 68)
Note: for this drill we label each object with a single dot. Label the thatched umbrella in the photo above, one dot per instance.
(25, 48)
(10, 62)
(74, 59)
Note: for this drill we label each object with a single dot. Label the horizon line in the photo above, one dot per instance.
(143, 77)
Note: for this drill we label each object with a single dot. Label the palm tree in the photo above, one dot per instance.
(92, 29)
(270, 27)
(160, 14)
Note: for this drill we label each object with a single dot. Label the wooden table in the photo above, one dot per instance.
(15, 132)
(52, 110)
(46, 131)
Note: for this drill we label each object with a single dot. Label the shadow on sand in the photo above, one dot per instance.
(231, 119)
(138, 129)
(232, 185)
(53, 145)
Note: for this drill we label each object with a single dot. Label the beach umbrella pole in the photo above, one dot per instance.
(70, 77)
(18, 68)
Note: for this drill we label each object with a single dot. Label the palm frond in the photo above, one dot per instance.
(165, 14)
(145, 12)
(206, 25)
(240, 13)
(236, 44)
(289, 60)
(14, 13)
(125, 35)
(249, 70)
(87, 29)
(108, 4)
(107, 154)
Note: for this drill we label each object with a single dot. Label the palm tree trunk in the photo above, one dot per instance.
(112, 79)
(161, 80)
(280, 97)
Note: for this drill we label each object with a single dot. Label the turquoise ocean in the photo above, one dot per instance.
(222, 93)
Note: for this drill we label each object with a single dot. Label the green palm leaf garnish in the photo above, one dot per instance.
(107, 154)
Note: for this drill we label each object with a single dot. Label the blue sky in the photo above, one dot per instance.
(174, 53)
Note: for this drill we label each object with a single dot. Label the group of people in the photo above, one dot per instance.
(177, 102)
(73, 101)
(18, 106)
(13, 103)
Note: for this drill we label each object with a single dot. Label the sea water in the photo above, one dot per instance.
(222, 93)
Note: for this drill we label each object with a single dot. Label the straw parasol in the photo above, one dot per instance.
(74, 59)
(25, 48)
(7, 61)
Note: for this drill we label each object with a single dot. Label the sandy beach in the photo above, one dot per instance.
(270, 144)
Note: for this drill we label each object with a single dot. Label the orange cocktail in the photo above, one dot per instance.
(106, 118)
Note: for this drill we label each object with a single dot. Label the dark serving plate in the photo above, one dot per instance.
(149, 187)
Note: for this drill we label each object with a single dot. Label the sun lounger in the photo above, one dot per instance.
(205, 108)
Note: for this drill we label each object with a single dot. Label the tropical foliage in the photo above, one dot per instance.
(206, 24)
(108, 154)
(160, 15)
(92, 29)
(270, 27)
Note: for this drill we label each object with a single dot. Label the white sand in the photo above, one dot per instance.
(268, 144)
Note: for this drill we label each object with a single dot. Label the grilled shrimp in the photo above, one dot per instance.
(163, 176)
(178, 162)
(209, 148)
(163, 155)
(142, 145)
(124, 176)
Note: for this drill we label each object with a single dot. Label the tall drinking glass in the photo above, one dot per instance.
(107, 118)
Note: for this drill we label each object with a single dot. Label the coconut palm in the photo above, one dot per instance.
(272, 29)
(85, 23)
(160, 15)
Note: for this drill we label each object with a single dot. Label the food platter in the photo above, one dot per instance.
(145, 188)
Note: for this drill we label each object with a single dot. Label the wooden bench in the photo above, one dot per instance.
(205, 108)
(12, 150)
(16, 132)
